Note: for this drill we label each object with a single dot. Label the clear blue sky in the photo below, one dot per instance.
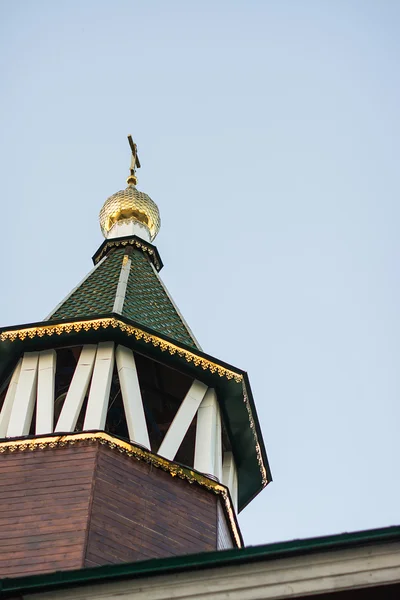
(269, 137)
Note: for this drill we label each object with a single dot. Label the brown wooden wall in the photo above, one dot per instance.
(141, 512)
(87, 505)
(44, 506)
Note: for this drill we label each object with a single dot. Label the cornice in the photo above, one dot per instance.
(135, 241)
(40, 331)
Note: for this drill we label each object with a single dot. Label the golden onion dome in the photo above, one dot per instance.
(127, 206)
(130, 206)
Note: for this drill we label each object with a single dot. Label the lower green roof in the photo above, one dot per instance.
(160, 566)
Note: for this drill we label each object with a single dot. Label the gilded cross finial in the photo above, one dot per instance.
(135, 163)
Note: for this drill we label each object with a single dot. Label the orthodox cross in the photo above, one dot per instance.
(135, 159)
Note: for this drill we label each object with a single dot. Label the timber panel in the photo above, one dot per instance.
(140, 512)
(44, 509)
(88, 504)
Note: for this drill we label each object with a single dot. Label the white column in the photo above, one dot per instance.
(77, 390)
(229, 477)
(183, 418)
(9, 400)
(122, 284)
(208, 436)
(25, 396)
(132, 396)
(99, 394)
(45, 392)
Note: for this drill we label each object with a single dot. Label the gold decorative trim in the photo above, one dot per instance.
(131, 242)
(136, 452)
(60, 328)
(260, 461)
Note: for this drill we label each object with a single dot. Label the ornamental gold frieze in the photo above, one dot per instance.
(105, 323)
(147, 249)
(132, 451)
(260, 460)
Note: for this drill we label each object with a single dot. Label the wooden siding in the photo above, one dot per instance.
(224, 537)
(87, 505)
(44, 506)
(141, 512)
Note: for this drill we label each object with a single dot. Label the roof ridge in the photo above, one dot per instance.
(148, 302)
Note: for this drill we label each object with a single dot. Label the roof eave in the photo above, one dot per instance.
(217, 559)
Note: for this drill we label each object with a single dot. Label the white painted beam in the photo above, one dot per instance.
(45, 392)
(208, 436)
(122, 284)
(25, 396)
(99, 395)
(131, 396)
(229, 477)
(183, 418)
(77, 390)
(9, 400)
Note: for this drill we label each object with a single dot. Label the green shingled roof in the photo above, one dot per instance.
(96, 294)
(146, 300)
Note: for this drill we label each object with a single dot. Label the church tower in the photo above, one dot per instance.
(120, 438)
